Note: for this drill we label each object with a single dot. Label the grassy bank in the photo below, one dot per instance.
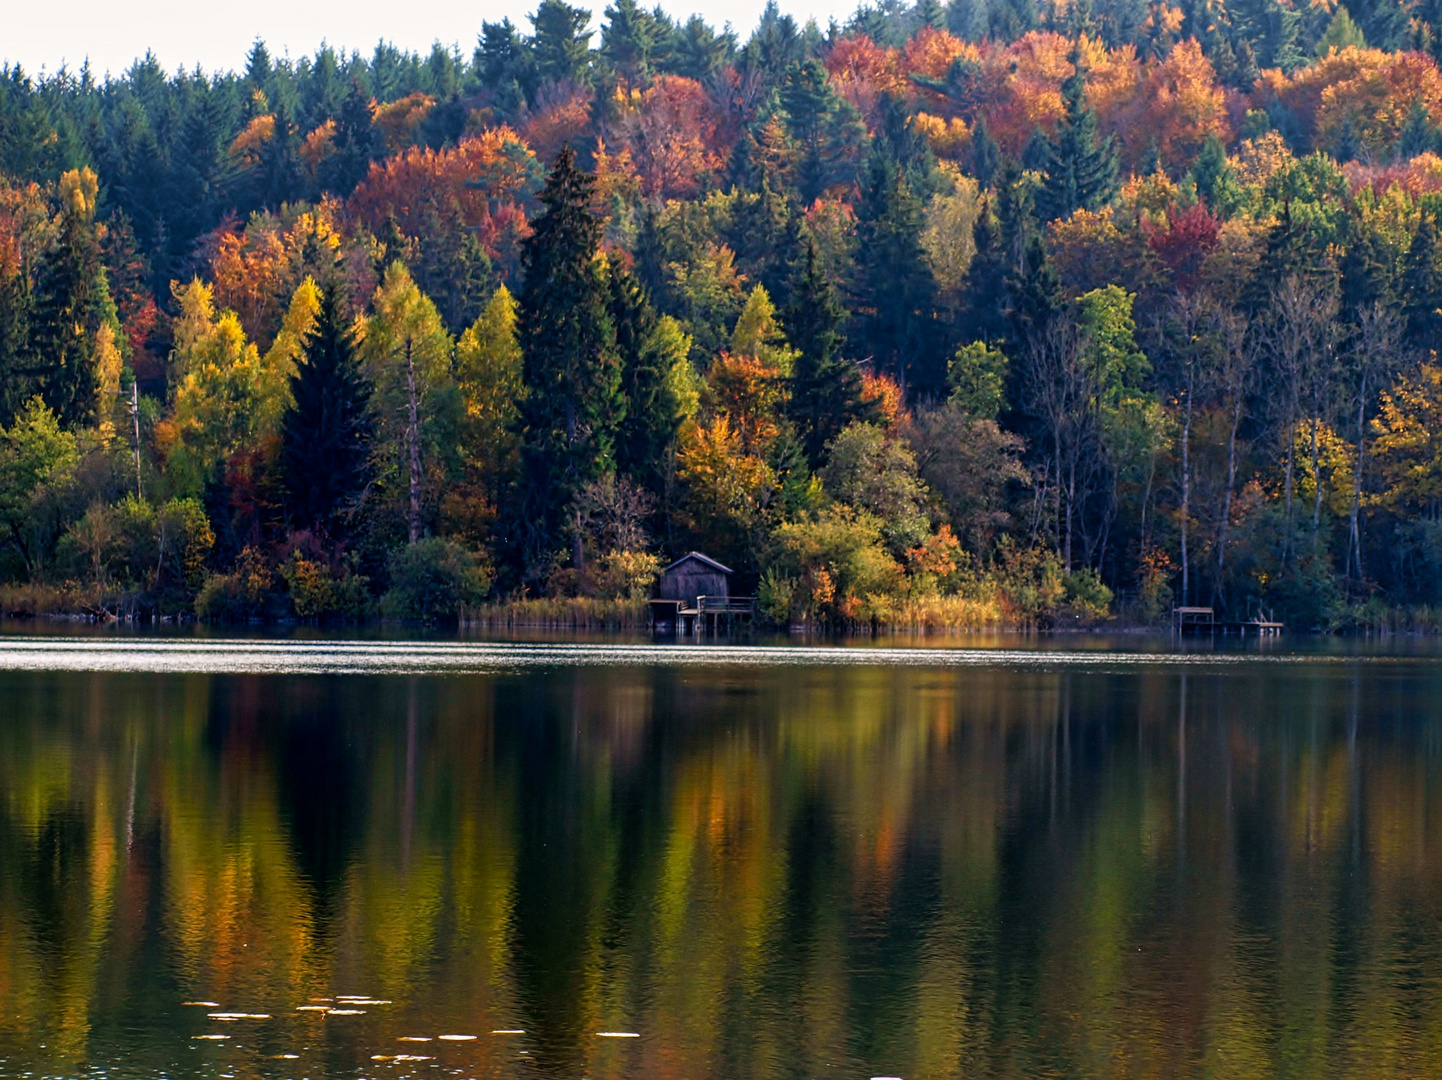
(560, 613)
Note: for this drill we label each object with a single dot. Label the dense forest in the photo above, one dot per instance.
(1001, 312)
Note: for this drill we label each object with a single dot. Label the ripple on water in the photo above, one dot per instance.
(399, 657)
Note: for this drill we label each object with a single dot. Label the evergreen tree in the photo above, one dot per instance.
(649, 349)
(1367, 270)
(561, 46)
(1035, 298)
(985, 155)
(570, 368)
(631, 40)
(928, 13)
(984, 317)
(15, 305)
(71, 301)
(357, 144)
(505, 66)
(1210, 168)
(279, 178)
(899, 329)
(1386, 24)
(1419, 135)
(326, 431)
(1422, 286)
(700, 53)
(1341, 33)
(825, 389)
(827, 128)
(1081, 169)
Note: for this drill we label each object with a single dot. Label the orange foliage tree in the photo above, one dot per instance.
(479, 185)
(673, 135)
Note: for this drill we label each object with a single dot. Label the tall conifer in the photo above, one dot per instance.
(570, 368)
(825, 389)
(326, 432)
(1081, 171)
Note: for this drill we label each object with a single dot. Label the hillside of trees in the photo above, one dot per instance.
(1001, 312)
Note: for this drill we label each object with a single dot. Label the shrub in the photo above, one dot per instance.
(622, 575)
(241, 594)
(317, 591)
(434, 579)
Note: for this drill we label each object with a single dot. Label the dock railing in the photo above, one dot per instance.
(725, 605)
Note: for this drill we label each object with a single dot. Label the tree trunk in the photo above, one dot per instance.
(1187, 490)
(1354, 526)
(1227, 496)
(413, 445)
(1316, 472)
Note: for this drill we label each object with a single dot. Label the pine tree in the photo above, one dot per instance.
(570, 368)
(326, 432)
(1081, 171)
(825, 389)
(506, 66)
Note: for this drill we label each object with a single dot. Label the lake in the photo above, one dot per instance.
(353, 859)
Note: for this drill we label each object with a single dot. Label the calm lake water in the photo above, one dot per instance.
(318, 860)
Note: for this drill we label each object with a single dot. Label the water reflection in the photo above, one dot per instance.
(733, 871)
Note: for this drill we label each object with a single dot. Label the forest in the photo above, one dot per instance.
(1000, 313)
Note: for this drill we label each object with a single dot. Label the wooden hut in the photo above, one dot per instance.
(694, 593)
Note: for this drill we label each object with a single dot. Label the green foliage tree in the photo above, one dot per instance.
(571, 371)
(561, 46)
(825, 388)
(1081, 166)
(326, 433)
(72, 301)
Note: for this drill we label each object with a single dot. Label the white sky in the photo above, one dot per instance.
(44, 34)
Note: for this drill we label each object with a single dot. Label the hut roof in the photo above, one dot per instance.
(701, 558)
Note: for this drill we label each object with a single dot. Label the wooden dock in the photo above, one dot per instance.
(711, 615)
(1203, 620)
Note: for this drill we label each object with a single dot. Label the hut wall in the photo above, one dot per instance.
(693, 579)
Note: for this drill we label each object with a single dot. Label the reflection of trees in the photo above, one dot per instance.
(926, 873)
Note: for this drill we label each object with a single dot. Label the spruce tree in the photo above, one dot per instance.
(984, 316)
(1210, 168)
(648, 430)
(1422, 286)
(1081, 170)
(899, 329)
(357, 144)
(15, 305)
(562, 44)
(71, 300)
(569, 364)
(985, 154)
(1419, 135)
(326, 431)
(825, 389)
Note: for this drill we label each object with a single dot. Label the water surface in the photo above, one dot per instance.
(641, 862)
